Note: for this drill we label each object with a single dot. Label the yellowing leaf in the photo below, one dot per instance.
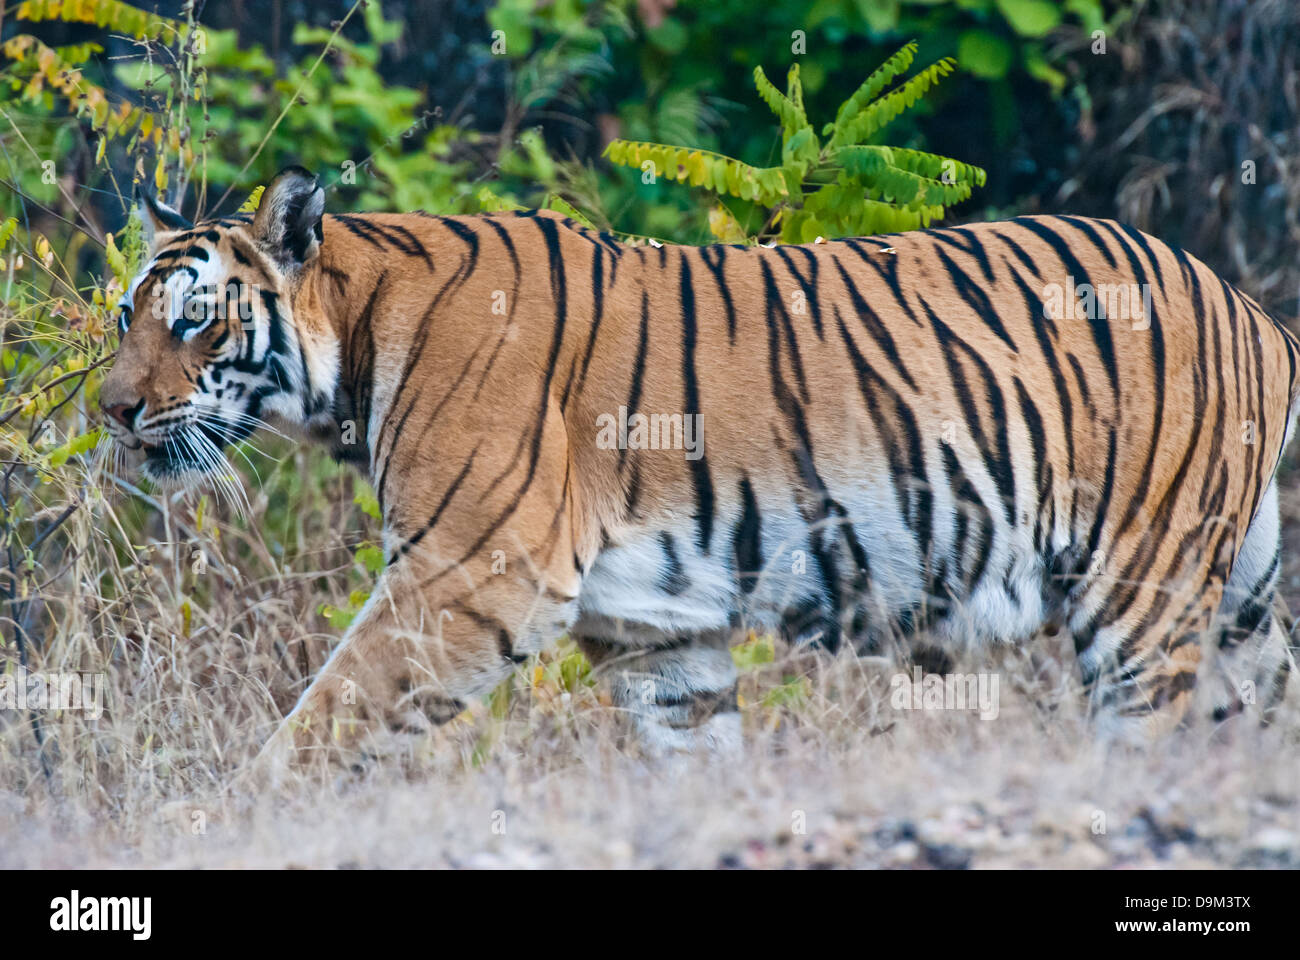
(724, 226)
(254, 199)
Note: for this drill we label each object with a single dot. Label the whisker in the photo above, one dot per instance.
(220, 467)
(220, 430)
(227, 435)
(238, 417)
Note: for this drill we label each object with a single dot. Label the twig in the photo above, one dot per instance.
(57, 380)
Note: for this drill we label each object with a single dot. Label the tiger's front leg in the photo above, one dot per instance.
(421, 650)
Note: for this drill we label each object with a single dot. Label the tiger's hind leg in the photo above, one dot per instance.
(1140, 651)
(1249, 655)
(679, 691)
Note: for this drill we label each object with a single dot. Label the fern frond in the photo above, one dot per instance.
(790, 114)
(704, 168)
(910, 177)
(930, 165)
(882, 111)
(872, 86)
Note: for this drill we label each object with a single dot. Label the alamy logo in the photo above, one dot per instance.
(203, 303)
(21, 690)
(951, 691)
(657, 431)
(76, 913)
(1102, 301)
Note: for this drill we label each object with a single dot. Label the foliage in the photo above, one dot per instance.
(834, 185)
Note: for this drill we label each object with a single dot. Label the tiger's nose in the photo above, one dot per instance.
(123, 413)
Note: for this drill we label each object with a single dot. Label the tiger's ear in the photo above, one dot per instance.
(158, 221)
(288, 220)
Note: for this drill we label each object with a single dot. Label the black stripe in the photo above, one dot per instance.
(559, 293)
(891, 416)
(699, 467)
(997, 463)
(450, 492)
(411, 245)
(1140, 239)
(424, 331)
(1025, 259)
(973, 247)
(747, 542)
(597, 309)
(776, 306)
(976, 299)
(638, 368)
(180, 253)
(1158, 384)
(886, 266)
(1037, 437)
(509, 244)
(809, 286)
(672, 579)
(718, 269)
(360, 228)
(1085, 227)
(1100, 325)
(871, 323)
(966, 499)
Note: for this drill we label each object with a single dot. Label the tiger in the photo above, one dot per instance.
(960, 432)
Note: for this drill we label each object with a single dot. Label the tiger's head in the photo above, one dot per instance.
(209, 349)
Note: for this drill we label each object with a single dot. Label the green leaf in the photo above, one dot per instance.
(77, 445)
(724, 226)
(370, 557)
(562, 206)
(763, 184)
(1089, 12)
(984, 54)
(1030, 18)
(881, 15)
(1036, 66)
(791, 693)
(490, 202)
(365, 498)
(802, 148)
(116, 262)
(670, 36)
(753, 653)
(575, 669)
(868, 160)
(7, 230)
(338, 618)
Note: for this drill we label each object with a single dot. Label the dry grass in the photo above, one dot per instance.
(544, 774)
